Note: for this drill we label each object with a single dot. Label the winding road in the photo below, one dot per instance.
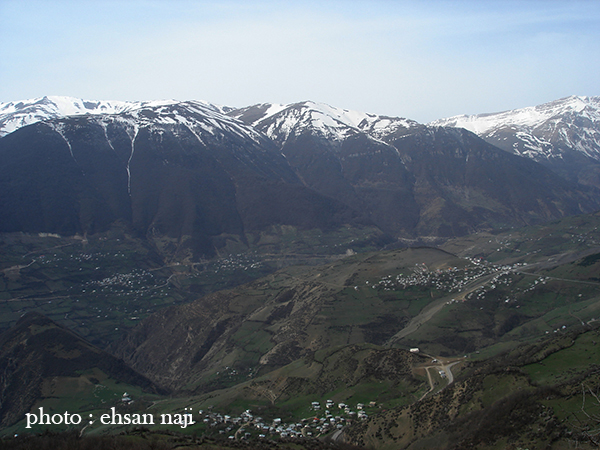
(436, 306)
(445, 366)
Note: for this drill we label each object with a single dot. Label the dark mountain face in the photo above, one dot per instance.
(185, 174)
(465, 184)
(364, 174)
(414, 180)
(563, 135)
(190, 176)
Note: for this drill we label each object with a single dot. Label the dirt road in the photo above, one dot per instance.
(436, 306)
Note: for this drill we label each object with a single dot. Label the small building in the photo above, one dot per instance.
(414, 350)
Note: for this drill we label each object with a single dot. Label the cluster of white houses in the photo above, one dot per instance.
(232, 262)
(330, 405)
(452, 279)
(246, 425)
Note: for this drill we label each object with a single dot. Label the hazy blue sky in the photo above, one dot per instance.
(418, 59)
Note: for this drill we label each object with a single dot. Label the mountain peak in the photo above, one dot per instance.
(17, 114)
(529, 117)
(279, 121)
(563, 134)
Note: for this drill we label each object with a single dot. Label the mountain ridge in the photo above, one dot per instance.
(184, 171)
(563, 135)
(16, 114)
(374, 163)
(542, 132)
(196, 174)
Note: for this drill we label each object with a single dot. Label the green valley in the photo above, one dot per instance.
(419, 344)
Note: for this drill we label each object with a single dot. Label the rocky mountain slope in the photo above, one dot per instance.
(197, 180)
(412, 179)
(292, 314)
(180, 172)
(343, 330)
(536, 396)
(563, 135)
(530, 283)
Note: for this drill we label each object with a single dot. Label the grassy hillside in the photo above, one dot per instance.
(505, 324)
(46, 365)
(103, 285)
(535, 396)
(290, 314)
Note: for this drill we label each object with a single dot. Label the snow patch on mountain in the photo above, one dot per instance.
(530, 117)
(14, 115)
(330, 122)
(381, 127)
(551, 130)
(279, 121)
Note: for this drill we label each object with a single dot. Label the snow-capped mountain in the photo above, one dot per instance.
(564, 135)
(176, 170)
(14, 115)
(407, 177)
(195, 172)
(279, 122)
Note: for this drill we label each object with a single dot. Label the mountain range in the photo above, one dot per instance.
(200, 178)
(180, 171)
(452, 289)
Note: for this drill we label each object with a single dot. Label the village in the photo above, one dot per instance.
(327, 417)
(449, 280)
